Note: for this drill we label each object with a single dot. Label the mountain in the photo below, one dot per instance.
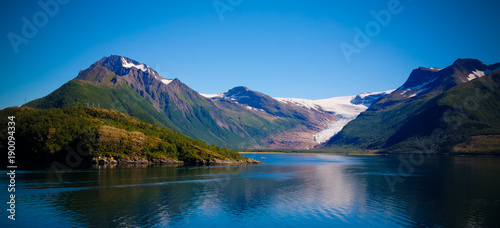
(241, 118)
(432, 109)
(345, 108)
(300, 122)
(78, 136)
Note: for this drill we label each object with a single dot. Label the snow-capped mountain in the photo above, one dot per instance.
(311, 120)
(430, 106)
(238, 118)
(243, 118)
(425, 80)
(346, 108)
(129, 63)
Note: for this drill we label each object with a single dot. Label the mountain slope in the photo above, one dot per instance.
(297, 123)
(405, 113)
(462, 115)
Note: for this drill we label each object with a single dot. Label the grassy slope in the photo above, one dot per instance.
(371, 129)
(48, 135)
(468, 114)
(194, 118)
(435, 125)
(125, 99)
(122, 98)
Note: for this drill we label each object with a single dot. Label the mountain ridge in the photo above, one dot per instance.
(171, 103)
(243, 118)
(389, 121)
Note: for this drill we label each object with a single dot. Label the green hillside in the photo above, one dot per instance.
(464, 119)
(124, 99)
(181, 109)
(460, 120)
(43, 136)
(120, 98)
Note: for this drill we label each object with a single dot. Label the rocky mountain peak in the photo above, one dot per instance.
(239, 92)
(121, 65)
(469, 63)
(420, 76)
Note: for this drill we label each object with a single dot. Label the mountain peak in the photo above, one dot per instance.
(419, 77)
(467, 62)
(121, 65)
(240, 88)
(239, 92)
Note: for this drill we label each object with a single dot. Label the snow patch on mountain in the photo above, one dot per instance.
(475, 74)
(166, 81)
(300, 102)
(434, 69)
(416, 90)
(364, 95)
(419, 86)
(126, 64)
(141, 66)
(255, 109)
(210, 96)
(237, 96)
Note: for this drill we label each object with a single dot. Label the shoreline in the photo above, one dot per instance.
(332, 153)
(381, 154)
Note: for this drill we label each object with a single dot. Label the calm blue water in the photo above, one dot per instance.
(287, 191)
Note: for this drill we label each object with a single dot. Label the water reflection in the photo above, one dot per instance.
(289, 190)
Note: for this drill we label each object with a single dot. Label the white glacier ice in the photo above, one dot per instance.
(341, 106)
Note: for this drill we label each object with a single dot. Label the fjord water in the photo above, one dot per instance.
(289, 190)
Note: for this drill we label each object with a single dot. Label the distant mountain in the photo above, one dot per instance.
(422, 110)
(302, 122)
(240, 118)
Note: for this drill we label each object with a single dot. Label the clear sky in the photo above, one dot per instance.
(281, 48)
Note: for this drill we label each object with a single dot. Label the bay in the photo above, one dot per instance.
(289, 190)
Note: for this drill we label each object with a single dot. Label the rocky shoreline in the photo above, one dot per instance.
(214, 161)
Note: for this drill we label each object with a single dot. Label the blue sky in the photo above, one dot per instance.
(281, 48)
